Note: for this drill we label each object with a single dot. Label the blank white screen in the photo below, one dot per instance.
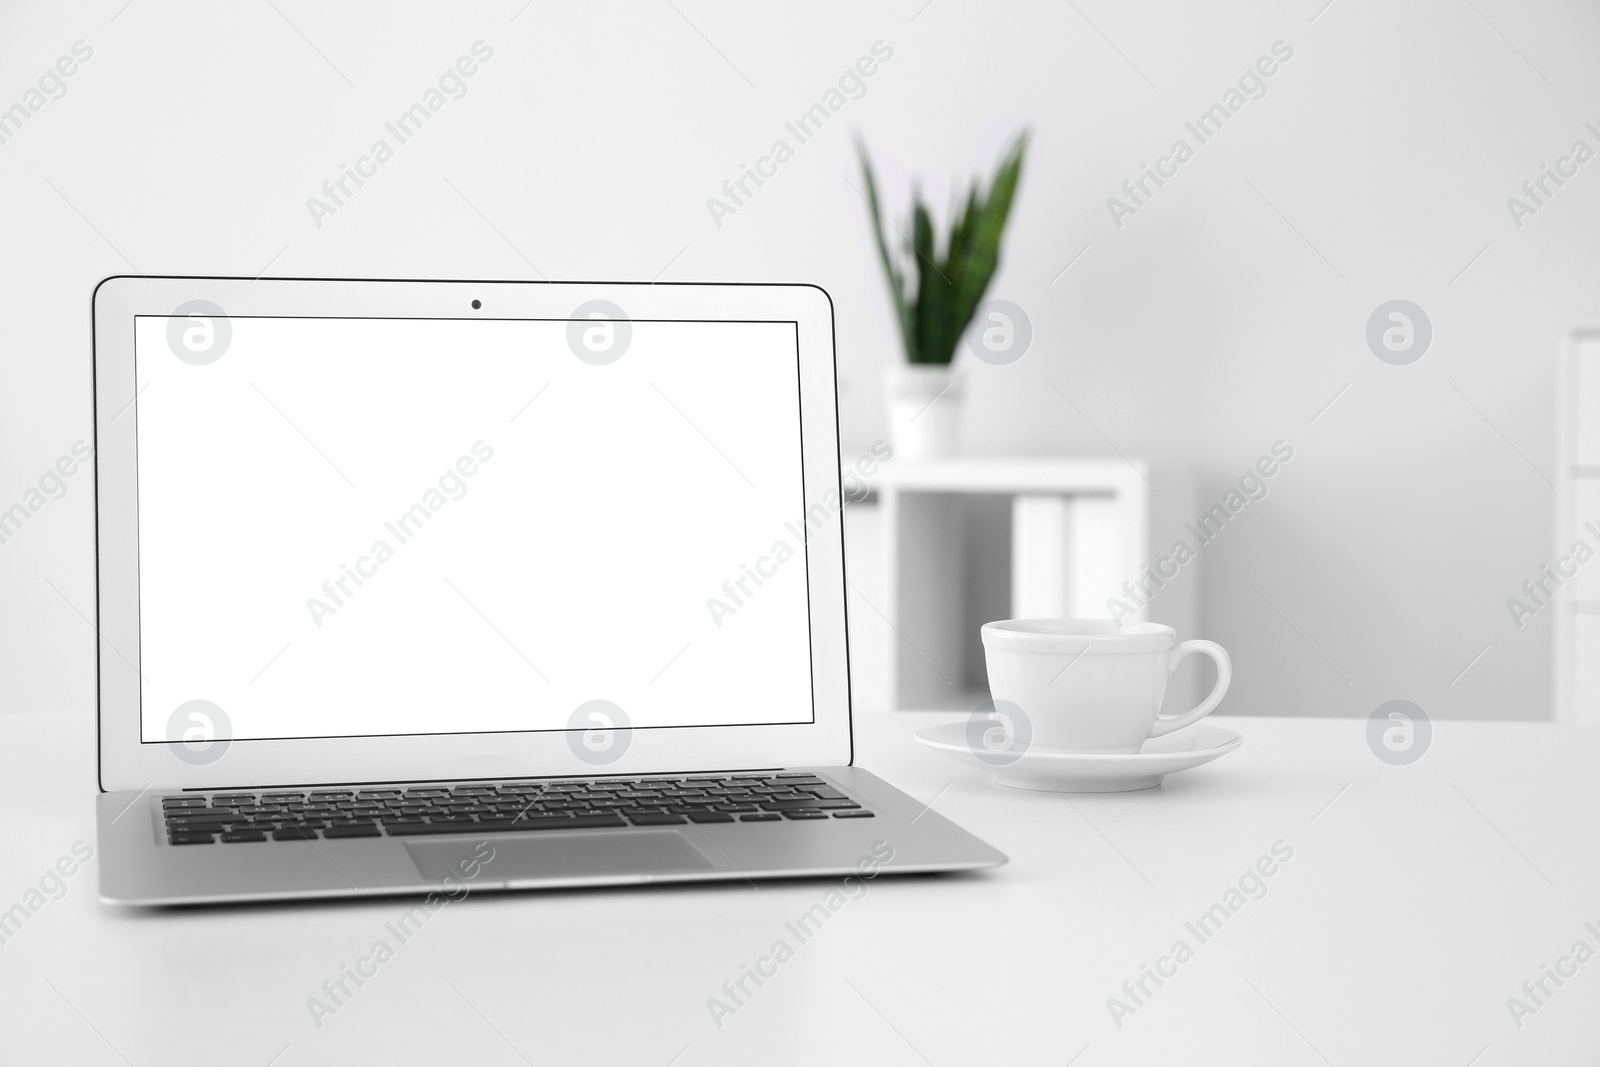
(604, 509)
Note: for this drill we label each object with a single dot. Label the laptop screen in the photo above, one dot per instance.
(359, 527)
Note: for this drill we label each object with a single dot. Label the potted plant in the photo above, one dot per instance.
(935, 294)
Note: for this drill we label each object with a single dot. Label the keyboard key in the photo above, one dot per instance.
(243, 835)
(487, 826)
(853, 815)
(183, 802)
(542, 820)
(363, 830)
(500, 826)
(765, 816)
(294, 833)
(186, 826)
(191, 839)
(805, 815)
(813, 803)
(656, 819)
(193, 816)
(523, 811)
(710, 816)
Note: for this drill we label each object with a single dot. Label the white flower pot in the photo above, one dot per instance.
(924, 405)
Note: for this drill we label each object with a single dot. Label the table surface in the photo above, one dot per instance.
(1416, 902)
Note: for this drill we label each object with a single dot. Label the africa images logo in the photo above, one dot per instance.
(1001, 333)
(599, 732)
(1399, 732)
(599, 332)
(199, 731)
(199, 332)
(999, 733)
(1399, 332)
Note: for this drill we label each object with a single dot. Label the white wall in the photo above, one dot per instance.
(1208, 326)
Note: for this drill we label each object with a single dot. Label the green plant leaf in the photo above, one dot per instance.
(935, 310)
(957, 266)
(933, 288)
(896, 278)
(982, 254)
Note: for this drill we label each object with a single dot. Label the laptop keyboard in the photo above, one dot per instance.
(561, 804)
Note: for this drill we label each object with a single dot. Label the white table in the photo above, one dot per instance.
(1418, 899)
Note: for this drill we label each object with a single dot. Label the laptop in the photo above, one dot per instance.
(421, 586)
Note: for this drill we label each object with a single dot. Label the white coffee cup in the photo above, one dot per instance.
(1089, 685)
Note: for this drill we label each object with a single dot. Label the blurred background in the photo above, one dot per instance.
(1227, 313)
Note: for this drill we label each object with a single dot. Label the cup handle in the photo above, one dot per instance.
(1224, 676)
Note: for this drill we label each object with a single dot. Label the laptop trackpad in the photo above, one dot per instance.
(556, 855)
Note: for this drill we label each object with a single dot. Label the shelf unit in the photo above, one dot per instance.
(1577, 623)
(972, 539)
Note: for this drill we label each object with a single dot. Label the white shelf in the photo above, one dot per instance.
(1576, 603)
(1071, 532)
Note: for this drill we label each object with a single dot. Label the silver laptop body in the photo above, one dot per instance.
(444, 586)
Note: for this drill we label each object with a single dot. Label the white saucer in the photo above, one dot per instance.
(1087, 772)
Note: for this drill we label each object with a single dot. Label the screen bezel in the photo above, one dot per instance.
(127, 763)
